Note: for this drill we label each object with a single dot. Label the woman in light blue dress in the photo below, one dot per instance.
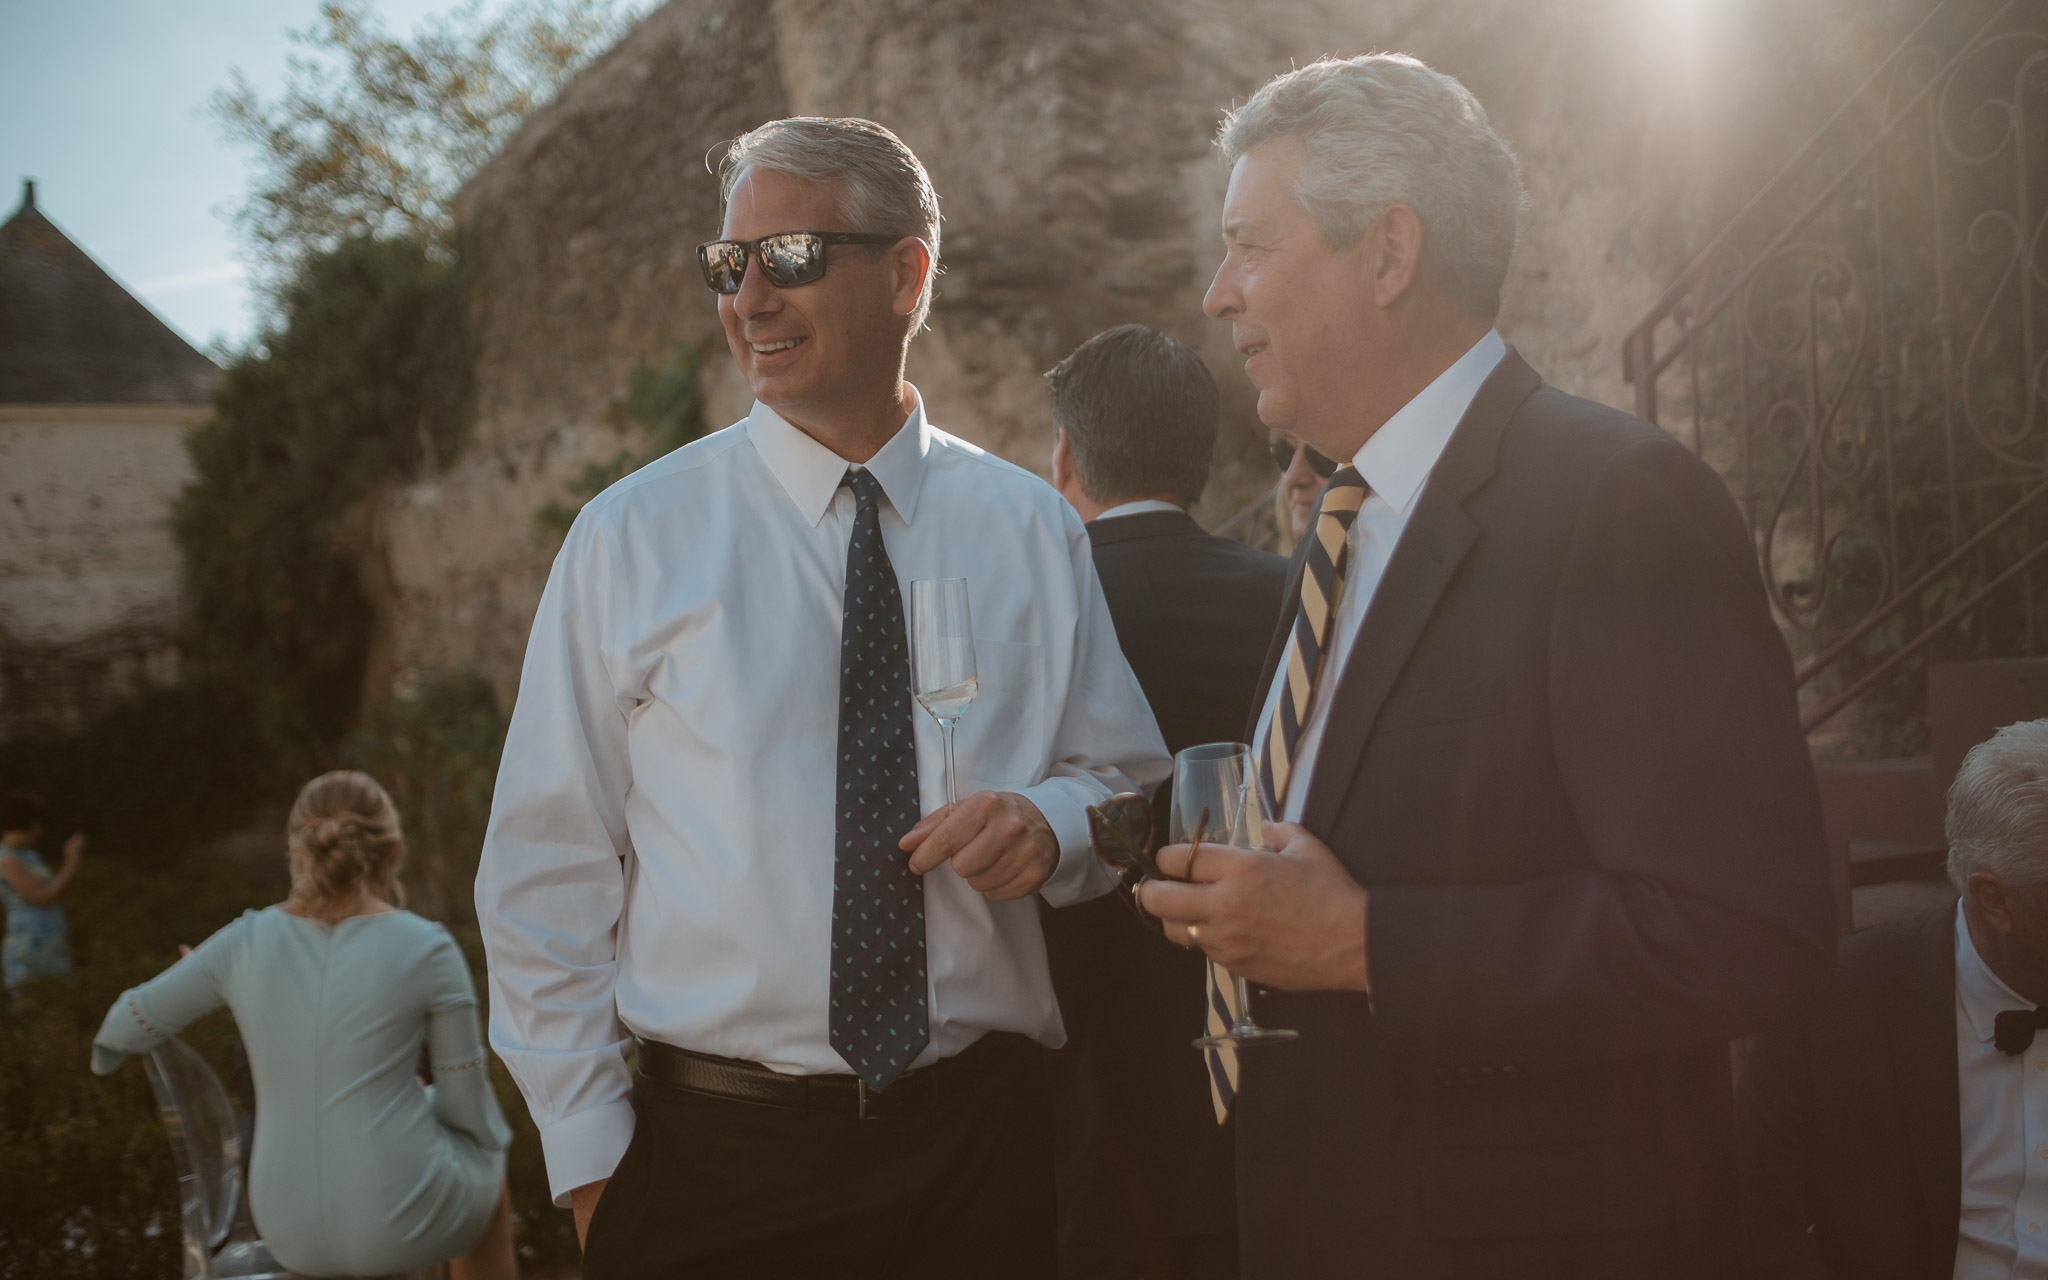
(358, 1168)
(38, 941)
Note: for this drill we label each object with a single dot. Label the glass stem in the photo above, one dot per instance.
(946, 733)
(1244, 1004)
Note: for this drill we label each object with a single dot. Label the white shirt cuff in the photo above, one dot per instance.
(1078, 877)
(586, 1146)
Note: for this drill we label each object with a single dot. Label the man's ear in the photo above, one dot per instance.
(1393, 255)
(1992, 898)
(1062, 461)
(910, 261)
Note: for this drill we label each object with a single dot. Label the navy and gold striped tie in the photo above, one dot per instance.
(1322, 582)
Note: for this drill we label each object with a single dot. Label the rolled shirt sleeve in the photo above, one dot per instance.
(1107, 740)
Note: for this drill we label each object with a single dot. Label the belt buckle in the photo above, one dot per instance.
(861, 1083)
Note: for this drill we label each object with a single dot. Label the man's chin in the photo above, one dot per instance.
(1275, 410)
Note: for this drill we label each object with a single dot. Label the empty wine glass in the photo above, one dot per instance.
(942, 657)
(1216, 800)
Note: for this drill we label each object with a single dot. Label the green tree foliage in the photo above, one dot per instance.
(373, 134)
(665, 402)
(436, 748)
(154, 769)
(367, 377)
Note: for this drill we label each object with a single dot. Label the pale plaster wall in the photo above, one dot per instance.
(85, 540)
(89, 574)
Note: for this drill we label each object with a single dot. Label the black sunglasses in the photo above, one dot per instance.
(788, 258)
(1283, 458)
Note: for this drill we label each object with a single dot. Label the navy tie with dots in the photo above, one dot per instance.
(880, 1021)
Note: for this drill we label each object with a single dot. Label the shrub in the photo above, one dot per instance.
(666, 403)
(436, 750)
(87, 1181)
(368, 378)
(158, 768)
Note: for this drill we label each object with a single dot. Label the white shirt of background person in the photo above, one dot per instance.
(2003, 1230)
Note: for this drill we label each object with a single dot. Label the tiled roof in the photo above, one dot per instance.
(69, 333)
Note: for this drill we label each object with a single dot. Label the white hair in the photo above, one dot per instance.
(1383, 129)
(883, 186)
(1998, 809)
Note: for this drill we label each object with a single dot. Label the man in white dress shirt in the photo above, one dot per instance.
(1900, 1129)
(1550, 832)
(719, 828)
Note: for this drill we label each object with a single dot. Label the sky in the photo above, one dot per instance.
(103, 103)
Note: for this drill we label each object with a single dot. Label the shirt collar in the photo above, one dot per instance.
(1139, 508)
(1402, 453)
(1984, 996)
(810, 473)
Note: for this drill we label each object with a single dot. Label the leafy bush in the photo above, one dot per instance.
(666, 403)
(368, 378)
(160, 767)
(87, 1181)
(436, 750)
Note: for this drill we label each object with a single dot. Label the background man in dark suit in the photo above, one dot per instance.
(1551, 837)
(1144, 1171)
(1900, 1130)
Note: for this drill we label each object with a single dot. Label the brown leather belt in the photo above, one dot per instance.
(834, 1094)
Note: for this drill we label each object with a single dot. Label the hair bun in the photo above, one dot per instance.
(343, 835)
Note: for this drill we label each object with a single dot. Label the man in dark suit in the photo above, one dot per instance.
(1550, 832)
(1899, 1131)
(1144, 1171)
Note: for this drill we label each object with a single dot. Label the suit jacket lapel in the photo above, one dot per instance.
(1435, 540)
(1924, 1030)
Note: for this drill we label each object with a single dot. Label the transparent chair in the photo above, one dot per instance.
(220, 1237)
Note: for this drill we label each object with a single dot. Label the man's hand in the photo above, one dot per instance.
(998, 842)
(74, 848)
(1291, 917)
(582, 1203)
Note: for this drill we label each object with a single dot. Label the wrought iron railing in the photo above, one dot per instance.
(1863, 353)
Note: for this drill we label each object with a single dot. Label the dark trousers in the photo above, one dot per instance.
(960, 1185)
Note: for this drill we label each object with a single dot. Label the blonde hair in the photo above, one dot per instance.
(343, 835)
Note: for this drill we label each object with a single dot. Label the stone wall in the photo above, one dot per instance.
(89, 593)
(1070, 147)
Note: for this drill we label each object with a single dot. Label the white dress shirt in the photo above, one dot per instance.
(1395, 462)
(1139, 508)
(660, 853)
(2003, 1231)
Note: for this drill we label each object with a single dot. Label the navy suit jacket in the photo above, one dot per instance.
(1564, 758)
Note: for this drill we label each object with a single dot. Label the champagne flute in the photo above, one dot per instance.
(1216, 800)
(942, 657)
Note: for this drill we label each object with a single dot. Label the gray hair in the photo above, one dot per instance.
(883, 187)
(1998, 809)
(1383, 129)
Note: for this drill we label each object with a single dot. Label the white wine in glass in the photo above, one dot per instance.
(1216, 800)
(942, 657)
